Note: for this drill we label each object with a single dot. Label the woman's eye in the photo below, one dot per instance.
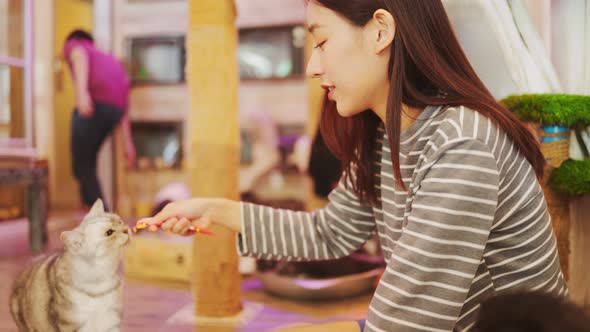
(320, 45)
(109, 232)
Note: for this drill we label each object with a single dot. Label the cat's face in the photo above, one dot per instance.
(100, 234)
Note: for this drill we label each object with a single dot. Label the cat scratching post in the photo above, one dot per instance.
(213, 148)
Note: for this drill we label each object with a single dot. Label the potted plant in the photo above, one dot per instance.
(553, 117)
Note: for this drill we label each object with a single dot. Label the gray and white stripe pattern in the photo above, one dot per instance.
(472, 224)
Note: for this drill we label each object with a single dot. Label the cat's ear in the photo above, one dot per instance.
(97, 209)
(72, 240)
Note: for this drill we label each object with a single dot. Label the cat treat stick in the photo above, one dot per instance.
(142, 224)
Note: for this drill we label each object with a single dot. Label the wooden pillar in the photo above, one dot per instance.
(17, 102)
(559, 210)
(17, 78)
(213, 148)
(579, 267)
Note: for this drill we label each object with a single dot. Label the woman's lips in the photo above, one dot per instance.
(330, 89)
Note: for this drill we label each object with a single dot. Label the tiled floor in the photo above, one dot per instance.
(149, 306)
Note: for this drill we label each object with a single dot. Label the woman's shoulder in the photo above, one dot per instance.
(459, 127)
(461, 123)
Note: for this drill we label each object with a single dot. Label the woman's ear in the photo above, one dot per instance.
(384, 30)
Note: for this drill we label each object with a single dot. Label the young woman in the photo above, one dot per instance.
(443, 173)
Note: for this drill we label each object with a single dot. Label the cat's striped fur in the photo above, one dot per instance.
(78, 289)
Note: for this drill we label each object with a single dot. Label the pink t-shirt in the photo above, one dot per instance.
(107, 79)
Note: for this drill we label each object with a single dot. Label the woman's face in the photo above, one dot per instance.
(348, 60)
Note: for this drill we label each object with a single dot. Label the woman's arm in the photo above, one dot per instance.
(332, 232)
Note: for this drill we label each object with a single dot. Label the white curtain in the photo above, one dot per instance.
(570, 22)
(535, 46)
(503, 46)
(570, 25)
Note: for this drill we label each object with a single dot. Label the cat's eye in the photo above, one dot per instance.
(109, 232)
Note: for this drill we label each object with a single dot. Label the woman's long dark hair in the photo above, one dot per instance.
(426, 59)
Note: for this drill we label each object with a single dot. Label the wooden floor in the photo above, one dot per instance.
(150, 307)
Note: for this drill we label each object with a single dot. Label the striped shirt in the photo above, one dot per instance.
(473, 223)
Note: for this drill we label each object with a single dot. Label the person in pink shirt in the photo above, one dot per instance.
(102, 87)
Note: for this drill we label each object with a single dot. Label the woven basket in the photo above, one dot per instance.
(555, 148)
(555, 145)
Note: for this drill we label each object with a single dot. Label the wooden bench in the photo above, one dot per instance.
(32, 173)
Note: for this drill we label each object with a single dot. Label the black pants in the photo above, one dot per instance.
(87, 136)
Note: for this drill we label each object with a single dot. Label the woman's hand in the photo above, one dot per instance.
(178, 217)
(84, 104)
(130, 153)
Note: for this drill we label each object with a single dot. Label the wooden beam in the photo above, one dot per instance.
(17, 78)
(213, 148)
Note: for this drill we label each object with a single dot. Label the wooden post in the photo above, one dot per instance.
(213, 148)
(579, 269)
(17, 78)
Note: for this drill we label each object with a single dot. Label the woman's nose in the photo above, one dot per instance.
(314, 68)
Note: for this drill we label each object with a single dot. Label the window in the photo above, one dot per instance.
(16, 70)
(157, 60)
(269, 53)
(158, 144)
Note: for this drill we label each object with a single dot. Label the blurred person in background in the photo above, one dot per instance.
(102, 87)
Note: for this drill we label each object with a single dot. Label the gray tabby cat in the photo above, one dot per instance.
(78, 289)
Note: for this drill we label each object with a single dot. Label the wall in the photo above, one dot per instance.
(43, 85)
(252, 13)
(102, 33)
(69, 14)
(282, 99)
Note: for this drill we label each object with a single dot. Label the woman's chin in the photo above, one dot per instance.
(346, 112)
